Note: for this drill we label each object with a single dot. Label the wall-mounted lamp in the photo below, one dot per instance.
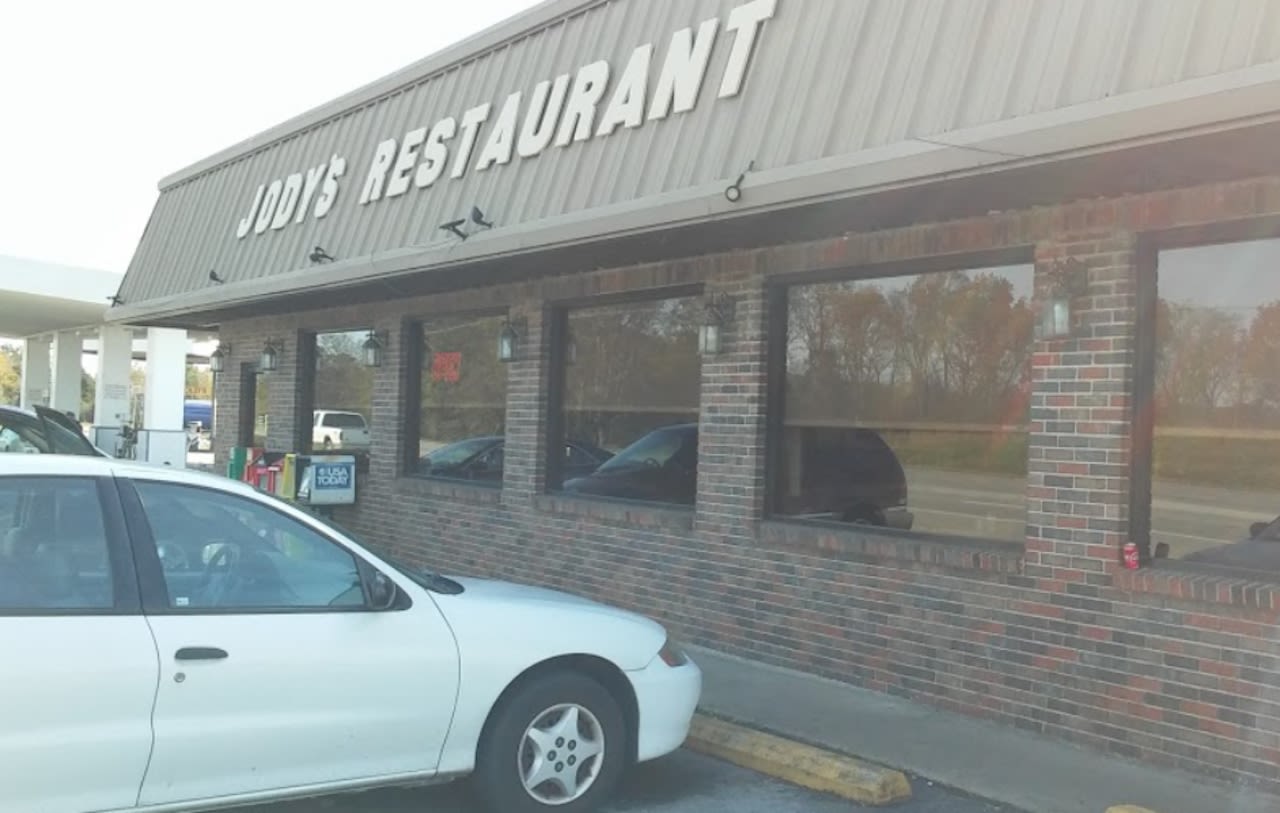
(509, 339)
(715, 315)
(733, 192)
(570, 347)
(1068, 281)
(477, 217)
(374, 348)
(269, 361)
(218, 358)
(319, 255)
(214, 278)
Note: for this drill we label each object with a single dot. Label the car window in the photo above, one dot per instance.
(222, 551)
(577, 457)
(53, 545)
(656, 449)
(21, 434)
(64, 441)
(344, 420)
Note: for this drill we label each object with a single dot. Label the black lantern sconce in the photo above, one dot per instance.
(373, 349)
(1068, 282)
(717, 311)
(509, 339)
(570, 347)
(218, 358)
(269, 361)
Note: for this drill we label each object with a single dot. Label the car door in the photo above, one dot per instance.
(79, 669)
(274, 671)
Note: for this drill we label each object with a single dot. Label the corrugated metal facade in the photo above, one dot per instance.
(827, 78)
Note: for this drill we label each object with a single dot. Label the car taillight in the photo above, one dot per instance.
(672, 655)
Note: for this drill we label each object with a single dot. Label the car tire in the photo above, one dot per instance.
(510, 752)
(328, 444)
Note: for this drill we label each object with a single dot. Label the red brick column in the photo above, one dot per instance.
(1078, 485)
(527, 404)
(731, 441)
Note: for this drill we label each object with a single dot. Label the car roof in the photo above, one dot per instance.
(29, 413)
(53, 465)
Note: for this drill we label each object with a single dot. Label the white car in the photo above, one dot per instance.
(334, 429)
(178, 641)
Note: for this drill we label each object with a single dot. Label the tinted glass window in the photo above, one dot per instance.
(65, 441)
(222, 551)
(462, 393)
(53, 545)
(632, 369)
(1217, 404)
(343, 383)
(20, 434)
(906, 402)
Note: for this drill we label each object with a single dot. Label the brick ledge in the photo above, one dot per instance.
(639, 515)
(1190, 582)
(448, 489)
(864, 543)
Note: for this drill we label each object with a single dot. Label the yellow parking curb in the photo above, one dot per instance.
(1128, 809)
(798, 764)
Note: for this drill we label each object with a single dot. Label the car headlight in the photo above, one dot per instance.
(672, 654)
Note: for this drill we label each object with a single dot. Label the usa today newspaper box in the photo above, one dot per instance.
(328, 480)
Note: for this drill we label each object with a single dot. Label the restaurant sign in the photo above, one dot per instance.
(594, 102)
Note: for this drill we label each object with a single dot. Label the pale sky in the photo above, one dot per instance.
(103, 99)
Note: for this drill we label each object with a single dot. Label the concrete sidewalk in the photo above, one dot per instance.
(999, 763)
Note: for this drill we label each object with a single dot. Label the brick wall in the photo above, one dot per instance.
(1170, 665)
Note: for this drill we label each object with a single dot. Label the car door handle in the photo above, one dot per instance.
(200, 653)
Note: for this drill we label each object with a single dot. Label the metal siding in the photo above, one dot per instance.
(828, 78)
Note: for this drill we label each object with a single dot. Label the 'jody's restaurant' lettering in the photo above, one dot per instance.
(592, 103)
(926, 346)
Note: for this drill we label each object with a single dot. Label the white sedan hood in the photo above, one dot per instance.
(538, 622)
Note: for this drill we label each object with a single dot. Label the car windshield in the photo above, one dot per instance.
(456, 453)
(653, 450)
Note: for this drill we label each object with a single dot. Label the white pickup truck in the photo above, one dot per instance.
(333, 429)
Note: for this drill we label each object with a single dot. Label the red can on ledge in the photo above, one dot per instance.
(1131, 555)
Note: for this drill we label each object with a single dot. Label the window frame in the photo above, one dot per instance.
(556, 318)
(154, 589)
(412, 329)
(1149, 246)
(777, 304)
(126, 596)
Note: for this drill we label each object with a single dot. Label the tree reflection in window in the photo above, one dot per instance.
(909, 385)
(631, 369)
(1217, 403)
(344, 385)
(462, 391)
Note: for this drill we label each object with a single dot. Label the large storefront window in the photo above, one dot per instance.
(462, 406)
(630, 401)
(341, 420)
(1216, 402)
(906, 403)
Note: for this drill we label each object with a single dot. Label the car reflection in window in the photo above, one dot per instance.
(1260, 550)
(481, 459)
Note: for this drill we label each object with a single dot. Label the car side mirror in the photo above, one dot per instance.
(1256, 529)
(382, 592)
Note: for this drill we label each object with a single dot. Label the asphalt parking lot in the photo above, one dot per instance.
(681, 783)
